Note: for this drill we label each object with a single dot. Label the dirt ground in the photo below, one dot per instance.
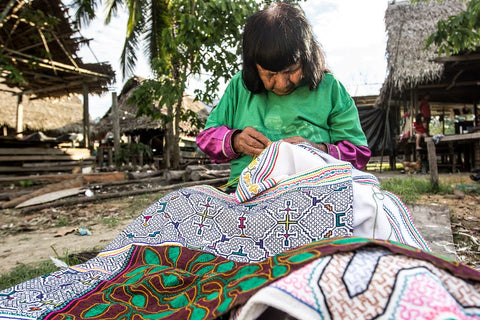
(53, 232)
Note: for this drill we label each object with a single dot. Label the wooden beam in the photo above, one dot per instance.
(116, 125)
(5, 11)
(54, 64)
(22, 99)
(56, 87)
(44, 157)
(86, 118)
(432, 163)
(472, 57)
(446, 85)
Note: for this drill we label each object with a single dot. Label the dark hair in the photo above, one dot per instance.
(276, 38)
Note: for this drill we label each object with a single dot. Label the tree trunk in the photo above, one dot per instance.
(169, 139)
(176, 145)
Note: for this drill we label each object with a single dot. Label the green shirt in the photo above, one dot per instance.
(326, 114)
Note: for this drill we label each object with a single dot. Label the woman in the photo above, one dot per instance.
(284, 92)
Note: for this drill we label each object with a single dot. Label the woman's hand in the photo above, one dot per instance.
(299, 139)
(250, 141)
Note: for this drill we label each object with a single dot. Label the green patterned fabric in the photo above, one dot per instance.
(173, 282)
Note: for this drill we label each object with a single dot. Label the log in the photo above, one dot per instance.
(7, 196)
(175, 175)
(49, 197)
(210, 171)
(209, 174)
(73, 183)
(101, 197)
(143, 175)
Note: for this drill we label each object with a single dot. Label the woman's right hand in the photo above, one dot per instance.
(249, 141)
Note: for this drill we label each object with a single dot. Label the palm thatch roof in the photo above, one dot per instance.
(38, 41)
(130, 123)
(52, 115)
(408, 26)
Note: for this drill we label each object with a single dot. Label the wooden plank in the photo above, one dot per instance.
(32, 150)
(83, 152)
(40, 157)
(49, 197)
(73, 183)
(73, 163)
(90, 178)
(459, 137)
(16, 169)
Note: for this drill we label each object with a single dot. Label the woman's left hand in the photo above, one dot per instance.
(299, 139)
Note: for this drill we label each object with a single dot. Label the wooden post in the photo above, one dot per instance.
(100, 156)
(432, 163)
(116, 126)
(475, 112)
(110, 157)
(86, 118)
(21, 101)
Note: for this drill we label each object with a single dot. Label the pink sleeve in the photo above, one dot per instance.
(358, 156)
(216, 142)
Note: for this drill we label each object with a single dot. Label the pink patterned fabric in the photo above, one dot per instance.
(368, 284)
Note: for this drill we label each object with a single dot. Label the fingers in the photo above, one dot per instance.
(296, 139)
(299, 139)
(250, 141)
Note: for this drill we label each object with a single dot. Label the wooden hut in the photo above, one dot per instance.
(52, 116)
(146, 130)
(38, 47)
(40, 76)
(413, 70)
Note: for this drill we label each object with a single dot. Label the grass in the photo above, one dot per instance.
(110, 222)
(62, 222)
(25, 272)
(410, 189)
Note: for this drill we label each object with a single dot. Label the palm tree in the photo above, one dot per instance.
(183, 38)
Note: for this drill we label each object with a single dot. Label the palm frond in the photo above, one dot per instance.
(135, 29)
(158, 20)
(84, 11)
(112, 9)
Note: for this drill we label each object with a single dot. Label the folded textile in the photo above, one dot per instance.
(338, 278)
(200, 253)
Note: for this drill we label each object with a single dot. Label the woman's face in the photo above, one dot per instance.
(282, 82)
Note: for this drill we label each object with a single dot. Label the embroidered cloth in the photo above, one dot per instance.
(200, 253)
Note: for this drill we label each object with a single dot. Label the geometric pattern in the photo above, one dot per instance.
(370, 283)
(175, 282)
(205, 219)
(300, 211)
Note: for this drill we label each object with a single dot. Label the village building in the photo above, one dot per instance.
(145, 132)
(414, 71)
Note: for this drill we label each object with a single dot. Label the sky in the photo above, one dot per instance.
(351, 32)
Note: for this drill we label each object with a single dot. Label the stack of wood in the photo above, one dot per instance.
(199, 172)
(57, 187)
(41, 159)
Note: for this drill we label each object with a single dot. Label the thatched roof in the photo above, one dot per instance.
(408, 26)
(56, 115)
(45, 55)
(130, 123)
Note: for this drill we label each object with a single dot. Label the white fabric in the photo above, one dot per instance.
(283, 160)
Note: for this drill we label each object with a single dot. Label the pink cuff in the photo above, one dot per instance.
(216, 142)
(358, 156)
